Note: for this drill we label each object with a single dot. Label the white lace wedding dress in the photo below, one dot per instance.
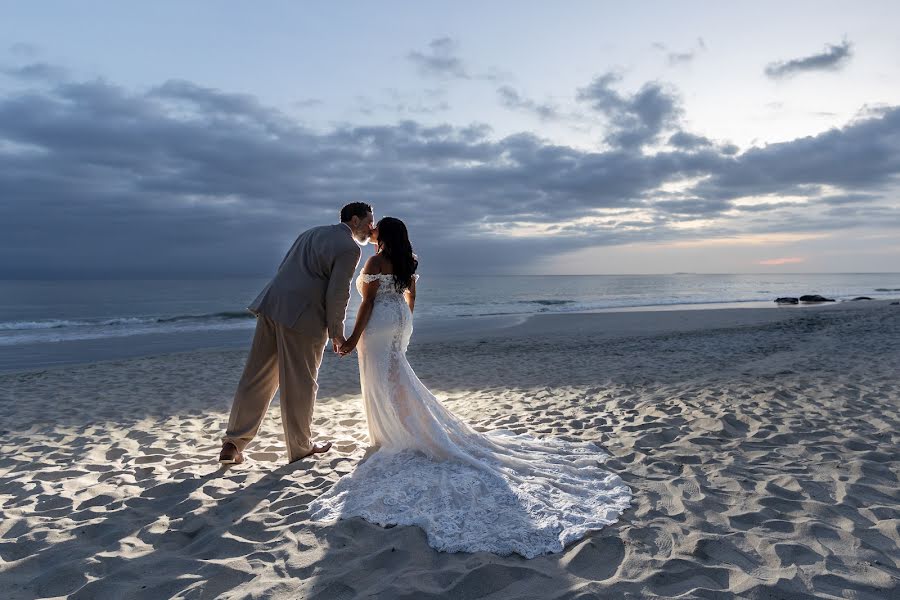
(496, 492)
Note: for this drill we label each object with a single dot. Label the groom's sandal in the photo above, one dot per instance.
(316, 449)
(230, 455)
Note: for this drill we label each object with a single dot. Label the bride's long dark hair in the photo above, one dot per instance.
(393, 241)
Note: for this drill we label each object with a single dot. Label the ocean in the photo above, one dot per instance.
(47, 323)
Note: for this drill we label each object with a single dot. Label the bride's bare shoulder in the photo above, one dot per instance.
(378, 265)
(373, 265)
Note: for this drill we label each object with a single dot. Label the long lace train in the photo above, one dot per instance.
(469, 491)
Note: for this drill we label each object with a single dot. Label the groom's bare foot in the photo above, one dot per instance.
(316, 449)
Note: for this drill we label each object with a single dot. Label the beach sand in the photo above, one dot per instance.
(761, 446)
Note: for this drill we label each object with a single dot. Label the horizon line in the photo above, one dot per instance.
(457, 274)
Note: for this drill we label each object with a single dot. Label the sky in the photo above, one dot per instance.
(173, 139)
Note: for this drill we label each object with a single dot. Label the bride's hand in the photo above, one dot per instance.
(348, 346)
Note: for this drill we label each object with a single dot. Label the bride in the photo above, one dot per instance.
(469, 491)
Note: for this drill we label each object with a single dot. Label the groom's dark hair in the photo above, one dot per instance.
(355, 209)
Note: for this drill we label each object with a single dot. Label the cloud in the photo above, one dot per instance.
(705, 207)
(37, 71)
(24, 50)
(768, 207)
(864, 155)
(688, 141)
(834, 57)
(307, 103)
(675, 58)
(510, 98)
(204, 100)
(440, 60)
(637, 119)
(841, 199)
(782, 261)
(400, 103)
(186, 180)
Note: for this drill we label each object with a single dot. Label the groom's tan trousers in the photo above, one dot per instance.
(279, 357)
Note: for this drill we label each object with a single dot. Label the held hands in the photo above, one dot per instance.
(342, 347)
(348, 346)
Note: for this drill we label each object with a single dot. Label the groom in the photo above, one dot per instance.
(303, 306)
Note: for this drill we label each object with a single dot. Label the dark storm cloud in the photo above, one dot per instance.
(834, 57)
(637, 119)
(184, 180)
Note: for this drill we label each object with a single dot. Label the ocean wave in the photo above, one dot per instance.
(121, 321)
(63, 330)
(222, 316)
(501, 302)
(547, 302)
(887, 289)
(571, 306)
(54, 336)
(50, 324)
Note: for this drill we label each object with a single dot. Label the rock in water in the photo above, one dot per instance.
(862, 298)
(786, 300)
(815, 298)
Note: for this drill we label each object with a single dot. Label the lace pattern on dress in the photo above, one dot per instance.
(385, 278)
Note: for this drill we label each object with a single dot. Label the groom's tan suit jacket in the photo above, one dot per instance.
(311, 290)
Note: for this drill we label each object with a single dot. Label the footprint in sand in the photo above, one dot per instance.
(264, 456)
(596, 559)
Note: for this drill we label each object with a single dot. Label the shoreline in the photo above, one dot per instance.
(625, 320)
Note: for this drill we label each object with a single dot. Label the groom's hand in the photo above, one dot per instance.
(337, 342)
